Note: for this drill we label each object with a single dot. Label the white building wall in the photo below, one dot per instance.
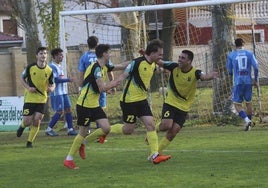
(76, 27)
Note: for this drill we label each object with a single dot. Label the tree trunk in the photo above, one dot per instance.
(168, 31)
(131, 32)
(25, 10)
(167, 36)
(223, 28)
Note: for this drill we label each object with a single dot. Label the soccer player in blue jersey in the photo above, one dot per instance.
(60, 100)
(239, 65)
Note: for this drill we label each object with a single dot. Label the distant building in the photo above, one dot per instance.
(9, 40)
(10, 34)
(200, 19)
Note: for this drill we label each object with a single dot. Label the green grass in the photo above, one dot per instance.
(201, 112)
(201, 157)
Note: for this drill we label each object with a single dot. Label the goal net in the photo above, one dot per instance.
(208, 28)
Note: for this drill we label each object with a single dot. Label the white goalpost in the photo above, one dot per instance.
(63, 14)
(127, 29)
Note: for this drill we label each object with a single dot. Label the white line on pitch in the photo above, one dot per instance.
(141, 149)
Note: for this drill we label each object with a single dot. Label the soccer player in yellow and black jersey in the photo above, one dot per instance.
(37, 79)
(133, 101)
(88, 107)
(180, 95)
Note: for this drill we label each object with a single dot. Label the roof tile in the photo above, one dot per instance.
(9, 37)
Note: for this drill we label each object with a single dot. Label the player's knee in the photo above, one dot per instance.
(170, 136)
(36, 122)
(106, 129)
(164, 126)
(27, 122)
(128, 129)
(83, 130)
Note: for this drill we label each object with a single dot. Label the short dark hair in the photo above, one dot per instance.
(101, 48)
(92, 42)
(41, 48)
(56, 51)
(189, 53)
(153, 46)
(239, 42)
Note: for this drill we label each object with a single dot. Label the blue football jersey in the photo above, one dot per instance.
(87, 59)
(239, 64)
(59, 79)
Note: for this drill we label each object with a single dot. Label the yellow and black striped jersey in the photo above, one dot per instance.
(40, 78)
(89, 94)
(140, 74)
(181, 87)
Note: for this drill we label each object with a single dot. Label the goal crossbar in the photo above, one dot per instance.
(63, 14)
(152, 7)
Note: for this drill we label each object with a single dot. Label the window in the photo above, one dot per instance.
(247, 35)
(10, 27)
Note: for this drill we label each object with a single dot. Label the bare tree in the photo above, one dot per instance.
(49, 19)
(24, 12)
(131, 31)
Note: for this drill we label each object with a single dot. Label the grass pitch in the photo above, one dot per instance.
(201, 157)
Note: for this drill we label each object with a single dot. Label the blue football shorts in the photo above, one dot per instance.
(60, 102)
(242, 92)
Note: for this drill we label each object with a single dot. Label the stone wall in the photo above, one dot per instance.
(12, 64)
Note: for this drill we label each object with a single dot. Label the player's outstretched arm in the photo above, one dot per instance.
(121, 66)
(210, 76)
